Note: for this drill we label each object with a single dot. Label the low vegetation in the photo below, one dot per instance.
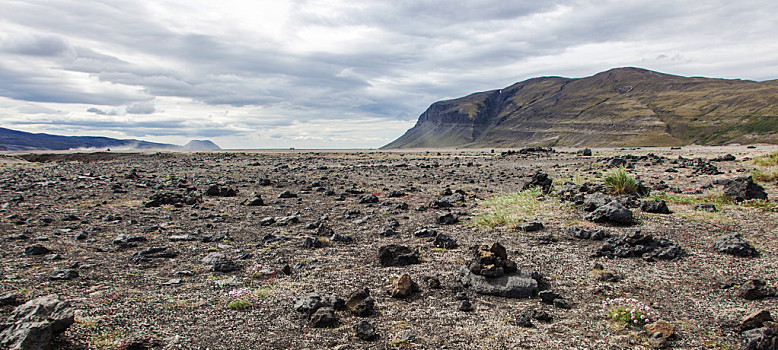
(509, 210)
(619, 181)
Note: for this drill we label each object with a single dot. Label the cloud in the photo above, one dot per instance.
(141, 108)
(283, 64)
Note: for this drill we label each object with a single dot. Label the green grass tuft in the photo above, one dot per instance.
(619, 181)
(769, 175)
(509, 210)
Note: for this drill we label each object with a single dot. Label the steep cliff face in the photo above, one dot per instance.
(619, 107)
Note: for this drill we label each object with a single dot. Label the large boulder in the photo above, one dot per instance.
(744, 188)
(397, 255)
(734, 244)
(612, 213)
(35, 323)
(521, 284)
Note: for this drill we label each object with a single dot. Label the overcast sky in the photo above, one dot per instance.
(336, 74)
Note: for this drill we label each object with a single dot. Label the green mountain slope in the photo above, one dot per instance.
(619, 107)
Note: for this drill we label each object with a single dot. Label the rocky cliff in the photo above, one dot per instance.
(619, 107)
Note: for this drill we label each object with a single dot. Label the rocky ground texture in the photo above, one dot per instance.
(376, 250)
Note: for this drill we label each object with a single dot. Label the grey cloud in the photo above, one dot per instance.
(141, 108)
(34, 45)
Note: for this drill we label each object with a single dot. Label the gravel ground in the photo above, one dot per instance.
(77, 204)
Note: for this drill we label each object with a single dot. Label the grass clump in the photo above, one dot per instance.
(619, 181)
(768, 160)
(716, 198)
(770, 175)
(629, 311)
(509, 210)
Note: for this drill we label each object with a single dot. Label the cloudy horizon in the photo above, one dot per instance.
(335, 74)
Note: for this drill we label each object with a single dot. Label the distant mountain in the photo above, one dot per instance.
(201, 145)
(618, 107)
(13, 140)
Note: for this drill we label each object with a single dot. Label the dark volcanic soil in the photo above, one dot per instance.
(77, 205)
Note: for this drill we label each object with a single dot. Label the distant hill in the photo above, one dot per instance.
(13, 140)
(201, 145)
(618, 107)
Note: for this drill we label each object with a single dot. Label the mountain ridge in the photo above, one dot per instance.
(619, 107)
(15, 140)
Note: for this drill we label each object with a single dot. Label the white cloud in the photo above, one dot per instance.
(329, 73)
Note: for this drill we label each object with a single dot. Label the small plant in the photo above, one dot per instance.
(629, 311)
(239, 304)
(762, 204)
(242, 298)
(619, 181)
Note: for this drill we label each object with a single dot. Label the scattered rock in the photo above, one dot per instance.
(612, 213)
(637, 244)
(445, 242)
(521, 284)
(743, 188)
(63, 275)
(432, 282)
(34, 324)
(734, 244)
(365, 330)
(360, 303)
(447, 219)
(287, 194)
(465, 306)
(541, 181)
(219, 263)
(664, 328)
(153, 253)
(709, 207)
(36, 249)
(530, 226)
(655, 206)
(255, 202)
(763, 338)
(583, 233)
(312, 243)
(757, 289)
(324, 317)
(368, 199)
(314, 301)
(397, 255)
(403, 286)
(218, 191)
(595, 200)
(755, 320)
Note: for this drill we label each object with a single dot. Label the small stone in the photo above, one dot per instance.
(432, 282)
(63, 275)
(447, 219)
(498, 250)
(368, 199)
(465, 306)
(445, 242)
(755, 320)
(664, 328)
(360, 303)
(36, 249)
(402, 287)
(365, 331)
(397, 255)
(530, 226)
(562, 303)
(324, 317)
(287, 194)
(548, 296)
(524, 319)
